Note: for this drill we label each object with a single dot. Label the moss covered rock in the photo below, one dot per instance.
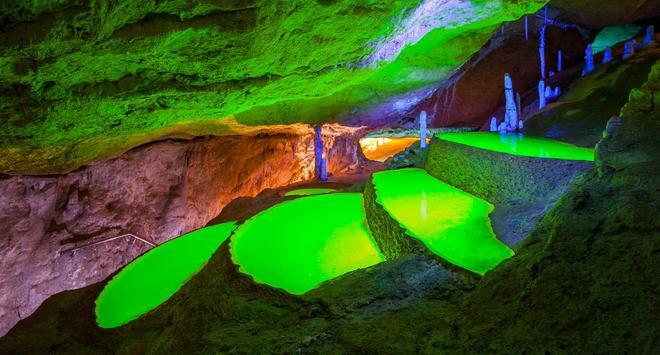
(106, 76)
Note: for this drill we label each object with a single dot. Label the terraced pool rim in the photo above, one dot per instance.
(263, 247)
(520, 145)
(154, 277)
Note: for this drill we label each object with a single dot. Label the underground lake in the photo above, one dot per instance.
(451, 223)
(517, 144)
(298, 244)
(154, 277)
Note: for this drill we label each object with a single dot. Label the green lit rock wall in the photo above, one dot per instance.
(390, 237)
(88, 80)
(500, 178)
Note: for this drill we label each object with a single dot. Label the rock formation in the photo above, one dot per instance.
(589, 61)
(422, 130)
(511, 113)
(607, 57)
(157, 192)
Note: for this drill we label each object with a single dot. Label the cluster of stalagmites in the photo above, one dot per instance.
(546, 93)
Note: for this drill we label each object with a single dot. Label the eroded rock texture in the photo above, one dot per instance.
(157, 192)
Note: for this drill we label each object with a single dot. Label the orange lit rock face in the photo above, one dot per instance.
(158, 191)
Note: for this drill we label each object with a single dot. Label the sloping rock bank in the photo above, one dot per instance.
(156, 192)
(521, 188)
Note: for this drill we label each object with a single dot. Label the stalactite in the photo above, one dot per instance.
(518, 104)
(318, 151)
(323, 170)
(422, 130)
(526, 28)
(542, 51)
(559, 61)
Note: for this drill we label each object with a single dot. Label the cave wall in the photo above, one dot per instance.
(476, 91)
(149, 70)
(599, 13)
(158, 191)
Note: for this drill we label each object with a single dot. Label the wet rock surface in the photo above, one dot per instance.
(157, 192)
(587, 269)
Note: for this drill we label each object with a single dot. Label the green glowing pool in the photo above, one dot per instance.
(309, 192)
(155, 276)
(451, 223)
(520, 145)
(301, 243)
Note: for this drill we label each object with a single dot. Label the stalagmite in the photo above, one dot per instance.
(629, 49)
(557, 91)
(493, 124)
(502, 127)
(548, 92)
(542, 102)
(520, 125)
(607, 57)
(649, 39)
(511, 113)
(589, 61)
(422, 130)
(542, 52)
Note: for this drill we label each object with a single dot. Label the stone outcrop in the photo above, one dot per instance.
(157, 192)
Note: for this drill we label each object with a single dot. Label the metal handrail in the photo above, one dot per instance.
(153, 245)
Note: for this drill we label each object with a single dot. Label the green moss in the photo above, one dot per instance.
(264, 62)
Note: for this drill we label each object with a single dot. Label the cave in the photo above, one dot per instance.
(336, 176)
